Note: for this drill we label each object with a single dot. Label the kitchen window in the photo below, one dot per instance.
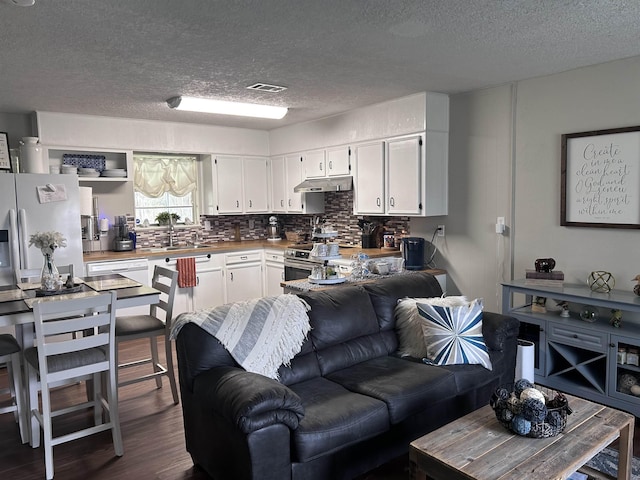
(165, 183)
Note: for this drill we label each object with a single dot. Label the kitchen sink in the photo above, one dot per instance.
(177, 248)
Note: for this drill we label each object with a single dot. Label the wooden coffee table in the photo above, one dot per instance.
(477, 446)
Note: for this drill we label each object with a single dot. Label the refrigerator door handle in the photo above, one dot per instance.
(22, 219)
(13, 241)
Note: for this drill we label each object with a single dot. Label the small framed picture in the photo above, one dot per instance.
(5, 157)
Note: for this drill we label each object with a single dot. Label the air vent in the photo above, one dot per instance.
(265, 87)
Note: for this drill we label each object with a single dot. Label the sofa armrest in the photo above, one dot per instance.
(498, 329)
(248, 400)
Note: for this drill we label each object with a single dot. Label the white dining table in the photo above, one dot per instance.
(16, 306)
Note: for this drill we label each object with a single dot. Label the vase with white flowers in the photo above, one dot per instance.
(48, 242)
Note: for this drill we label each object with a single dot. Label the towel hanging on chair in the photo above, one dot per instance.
(186, 272)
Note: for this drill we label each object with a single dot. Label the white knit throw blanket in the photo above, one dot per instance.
(260, 334)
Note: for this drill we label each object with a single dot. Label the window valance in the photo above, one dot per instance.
(154, 175)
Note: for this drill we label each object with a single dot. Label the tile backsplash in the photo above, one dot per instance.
(338, 212)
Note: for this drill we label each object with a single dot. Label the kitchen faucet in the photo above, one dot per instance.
(171, 230)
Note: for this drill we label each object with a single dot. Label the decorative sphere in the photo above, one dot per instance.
(601, 281)
(554, 419)
(626, 381)
(532, 393)
(515, 405)
(636, 390)
(520, 385)
(534, 410)
(520, 425)
(506, 415)
(589, 313)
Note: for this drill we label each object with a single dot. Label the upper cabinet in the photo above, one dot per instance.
(287, 172)
(326, 163)
(235, 185)
(109, 165)
(404, 175)
(369, 196)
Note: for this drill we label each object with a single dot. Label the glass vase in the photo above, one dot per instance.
(49, 279)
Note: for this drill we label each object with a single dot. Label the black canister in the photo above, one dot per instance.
(413, 253)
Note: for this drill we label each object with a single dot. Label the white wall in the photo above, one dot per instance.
(16, 126)
(480, 146)
(592, 98)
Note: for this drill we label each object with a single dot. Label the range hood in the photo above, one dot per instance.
(330, 184)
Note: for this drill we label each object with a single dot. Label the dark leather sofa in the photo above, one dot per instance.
(346, 404)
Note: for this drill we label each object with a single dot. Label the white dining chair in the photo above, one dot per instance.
(10, 353)
(57, 359)
(152, 326)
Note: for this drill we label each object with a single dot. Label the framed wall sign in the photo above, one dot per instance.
(5, 158)
(601, 178)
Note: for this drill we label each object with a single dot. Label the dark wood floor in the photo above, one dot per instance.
(152, 433)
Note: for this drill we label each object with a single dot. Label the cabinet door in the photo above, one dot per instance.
(278, 185)
(404, 176)
(369, 179)
(313, 163)
(338, 161)
(229, 184)
(255, 185)
(182, 298)
(243, 282)
(209, 292)
(293, 167)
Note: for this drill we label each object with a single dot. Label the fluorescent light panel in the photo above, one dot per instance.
(222, 107)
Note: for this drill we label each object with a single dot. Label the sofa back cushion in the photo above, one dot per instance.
(344, 327)
(303, 366)
(386, 293)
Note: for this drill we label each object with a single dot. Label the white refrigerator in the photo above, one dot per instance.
(30, 203)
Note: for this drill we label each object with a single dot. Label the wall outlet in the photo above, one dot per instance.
(207, 225)
(441, 230)
(500, 226)
(252, 224)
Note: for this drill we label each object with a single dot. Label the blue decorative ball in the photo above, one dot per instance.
(534, 410)
(554, 419)
(520, 425)
(521, 385)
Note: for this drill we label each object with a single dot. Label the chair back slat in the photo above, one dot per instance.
(76, 344)
(166, 281)
(80, 321)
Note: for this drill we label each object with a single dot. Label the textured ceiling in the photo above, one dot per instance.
(124, 58)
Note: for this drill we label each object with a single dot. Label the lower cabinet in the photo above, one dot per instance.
(273, 272)
(209, 289)
(589, 359)
(243, 275)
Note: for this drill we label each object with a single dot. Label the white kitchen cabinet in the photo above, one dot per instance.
(243, 275)
(274, 272)
(404, 176)
(235, 185)
(314, 164)
(338, 161)
(369, 184)
(286, 173)
(209, 290)
(255, 183)
(228, 182)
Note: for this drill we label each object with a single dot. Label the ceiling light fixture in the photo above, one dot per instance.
(226, 108)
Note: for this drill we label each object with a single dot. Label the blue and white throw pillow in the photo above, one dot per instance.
(453, 335)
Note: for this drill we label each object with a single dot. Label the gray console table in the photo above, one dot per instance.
(573, 355)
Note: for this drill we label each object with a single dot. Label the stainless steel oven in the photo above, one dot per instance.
(298, 264)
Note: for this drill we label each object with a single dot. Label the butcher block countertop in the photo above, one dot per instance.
(223, 247)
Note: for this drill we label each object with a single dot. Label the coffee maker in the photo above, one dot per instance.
(413, 253)
(122, 241)
(273, 230)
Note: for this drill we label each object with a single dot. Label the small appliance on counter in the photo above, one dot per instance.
(122, 241)
(413, 253)
(273, 230)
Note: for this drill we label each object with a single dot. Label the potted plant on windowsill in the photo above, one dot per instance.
(163, 218)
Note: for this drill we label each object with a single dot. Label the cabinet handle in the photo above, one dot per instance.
(289, 202)
(392, 202)
(250, 203)
(330, 164)
(378, 201)
(197, 281)
(244, 257)
(281, 202)
(237, 204)
(231, 276)
(320, 166)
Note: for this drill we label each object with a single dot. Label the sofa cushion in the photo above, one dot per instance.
(406, 387)
(302, 367)
(334, 418)
(386, 292)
